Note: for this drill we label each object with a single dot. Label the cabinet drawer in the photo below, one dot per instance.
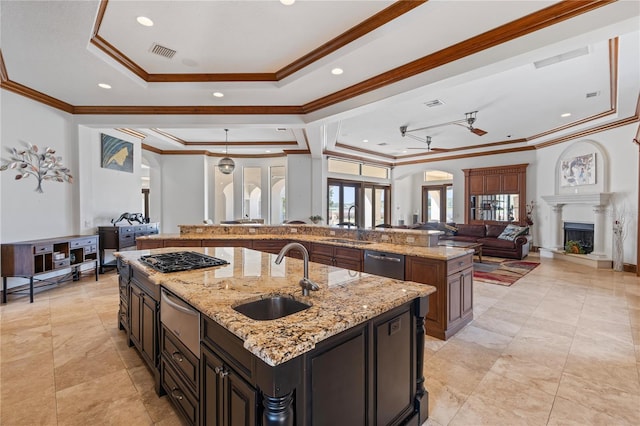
(123, 230)
(348, 253)
(90, 249)
(126, 240)
(322, 249)
(179, 393)
(61, 263)
(84, 242)
(44, 248)
(181, 359)
(459, 263)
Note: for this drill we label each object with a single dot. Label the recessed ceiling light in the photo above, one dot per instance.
(143, 20)
(337, 71)
(218, 94)
(404, 152)
(104, 85)
(365, 140)
(566, 114)
(287, 2)
(267, 150)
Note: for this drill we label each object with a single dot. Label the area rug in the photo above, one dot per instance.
(501, 271)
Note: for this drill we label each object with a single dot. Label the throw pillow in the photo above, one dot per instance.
(451, 229)
(511, 232)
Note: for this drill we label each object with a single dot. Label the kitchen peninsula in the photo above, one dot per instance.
(353, 356)
(449, 269)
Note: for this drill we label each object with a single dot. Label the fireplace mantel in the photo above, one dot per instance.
(595, 199)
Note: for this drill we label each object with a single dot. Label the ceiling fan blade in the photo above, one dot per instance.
(478, 132)
(440, 149)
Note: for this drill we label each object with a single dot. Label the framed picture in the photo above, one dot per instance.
(580, 170)
(117, 154)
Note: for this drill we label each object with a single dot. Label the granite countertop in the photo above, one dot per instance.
(345, 299)
(437, 252)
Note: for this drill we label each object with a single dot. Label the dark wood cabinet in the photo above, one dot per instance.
(30, 258)
(496, 194)
(269, 246)
(451, 307)
(121, 237)
(227, 399)
(144, 320)
(342, 257)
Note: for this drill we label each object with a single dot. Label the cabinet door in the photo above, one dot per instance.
(210, 389)
(492, 184)
(430, 272)
(322, 258)
(339, 383)
(467, 291)
(476, 184)
(148, 327)
(239, 400)
(510, 183)
(454, 285)
(394, 368)
(135, 311)
(225, 398)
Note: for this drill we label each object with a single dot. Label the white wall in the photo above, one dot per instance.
(299, 184)
(154, 162)
(106, 193)
(25, 213)
(184, 193)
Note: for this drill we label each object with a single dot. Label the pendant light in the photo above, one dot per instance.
(226, 164)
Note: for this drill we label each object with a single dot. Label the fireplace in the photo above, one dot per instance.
(582, 233)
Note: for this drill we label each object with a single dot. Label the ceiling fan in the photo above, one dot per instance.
(467, 122)
(427, 140)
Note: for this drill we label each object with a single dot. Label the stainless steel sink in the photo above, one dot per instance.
(346, 241)
(271, 308)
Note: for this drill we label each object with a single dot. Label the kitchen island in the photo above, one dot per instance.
(354, 356)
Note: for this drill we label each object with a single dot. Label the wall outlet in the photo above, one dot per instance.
(384, 237)
(332, 233)
(294, 230)
(252, 230)
(199, 230)
(411, 240)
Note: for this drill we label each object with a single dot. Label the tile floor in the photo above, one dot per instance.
(561, 346)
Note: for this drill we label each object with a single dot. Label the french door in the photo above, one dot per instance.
(361, 204)
(437, 203)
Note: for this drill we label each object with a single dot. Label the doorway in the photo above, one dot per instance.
(437, 203)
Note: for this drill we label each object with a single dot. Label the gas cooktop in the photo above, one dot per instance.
(181, 261)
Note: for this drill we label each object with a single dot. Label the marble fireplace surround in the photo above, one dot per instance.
(598, 202)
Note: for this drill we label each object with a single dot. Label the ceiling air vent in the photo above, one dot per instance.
(434, 103)
(592, 94)
(383, 144)
(162, 51)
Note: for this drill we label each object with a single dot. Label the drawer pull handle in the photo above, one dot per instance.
(385, 258)
(177, 394)
(460, 263)
(221, 371)
(177, 356)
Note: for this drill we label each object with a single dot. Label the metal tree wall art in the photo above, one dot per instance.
(32, 162)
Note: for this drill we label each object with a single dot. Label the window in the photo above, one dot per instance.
(362, 204)
(356, 168)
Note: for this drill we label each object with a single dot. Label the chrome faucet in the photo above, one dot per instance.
(349, 215)
(305, 282)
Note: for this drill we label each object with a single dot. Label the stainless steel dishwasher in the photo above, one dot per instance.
(182, 320)
(388, 265)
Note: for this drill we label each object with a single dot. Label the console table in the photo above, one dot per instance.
(121, 237)
(27, 259)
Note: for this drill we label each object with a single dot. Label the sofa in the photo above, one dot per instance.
(518, 248)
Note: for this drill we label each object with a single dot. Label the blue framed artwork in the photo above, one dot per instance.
(117, 154)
